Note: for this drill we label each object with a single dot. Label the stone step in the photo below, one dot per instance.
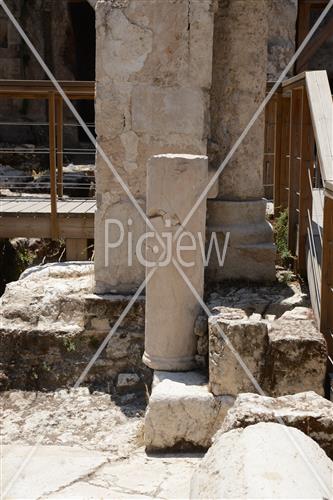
(236, 212)
(182, 413)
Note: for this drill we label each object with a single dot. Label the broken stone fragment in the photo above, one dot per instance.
(127, 381)
(263, 461)
(306, 411)
(201, 326)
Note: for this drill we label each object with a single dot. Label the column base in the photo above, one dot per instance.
(169, 364)
(251, 251)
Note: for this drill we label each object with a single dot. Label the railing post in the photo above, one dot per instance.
(296, 111)
(277, 153)
(282, 182)
(53, 174)
(60, 144)
(326, 306)
(305, 188)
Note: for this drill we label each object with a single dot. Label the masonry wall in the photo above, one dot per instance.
(154, 71)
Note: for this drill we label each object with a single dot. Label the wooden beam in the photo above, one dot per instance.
(53, 161)
(317, 41)
(60, 147)
(305, 189)
(76, 249)
(326, 306)
(30, 226)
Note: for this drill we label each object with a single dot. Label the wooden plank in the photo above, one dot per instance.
(60, 147)
(82, 208)
(35, 207)
(15, 206)
(285, 153)
(277, 154)
(294, 167)
(305, 198)
(53, 161)
(5, 204)
(38, 226)
(65, 207)
(326, 307)
(92, 210)
(321, 107)
(76, 249)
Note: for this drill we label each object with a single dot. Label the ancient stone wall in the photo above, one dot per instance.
(282, 16)
(153, 80)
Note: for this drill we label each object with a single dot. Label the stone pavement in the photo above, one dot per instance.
(92, 448)
(72, 472)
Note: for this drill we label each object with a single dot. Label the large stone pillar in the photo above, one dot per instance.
(239, 86)
(174, 183)
(153, 72)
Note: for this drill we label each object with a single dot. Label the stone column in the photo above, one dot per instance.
(174, 183)
(153, 72)
(239, 86)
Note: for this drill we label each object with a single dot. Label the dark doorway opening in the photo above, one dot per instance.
(82, 17)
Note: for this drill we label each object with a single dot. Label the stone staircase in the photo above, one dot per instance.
(272, 329)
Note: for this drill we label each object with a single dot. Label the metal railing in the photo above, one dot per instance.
(303, 184)
(44, 90)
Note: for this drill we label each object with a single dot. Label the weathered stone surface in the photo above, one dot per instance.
(182, 412)
(275, 298)
(263, 461)
(67, 464)
(155, 61)
(174, 184)
(282, 18)
(296, 358)
(293, 352)
(239, 85)
(98, 426)
(306, 411)
(251, 251)
(248, 339)
(73, 418)
(51, 324)
(127, 381)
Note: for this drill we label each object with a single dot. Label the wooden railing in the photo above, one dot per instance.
(45, 90)
(303, 184)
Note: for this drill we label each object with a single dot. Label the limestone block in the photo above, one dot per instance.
(118, 228)
(159, 111)
(263, 461)
(251, 251)
(297, 357)
(182, 412)
(306, 411)
(153, 78)
(239, 86)
(174, 184)
(249, 338)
